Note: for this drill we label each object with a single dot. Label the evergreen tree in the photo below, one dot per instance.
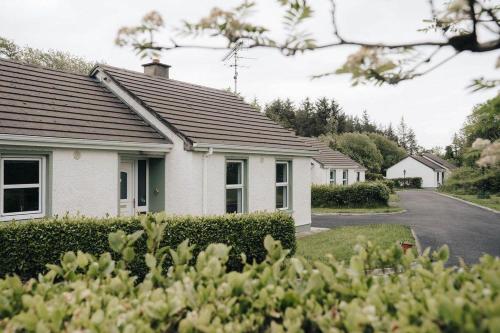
(282, 112)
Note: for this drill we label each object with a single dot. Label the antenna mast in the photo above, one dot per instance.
(234, 54)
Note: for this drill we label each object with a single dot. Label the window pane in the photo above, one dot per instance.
(21, 172)
(281, 172)
(141, 183)
(234, 200)
(332, 176)
(21, 200)
(233, 173)
(123, 185)
(281, 197)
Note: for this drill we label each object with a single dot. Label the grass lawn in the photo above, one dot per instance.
(340, 241)
(493, 202)
(392, 208)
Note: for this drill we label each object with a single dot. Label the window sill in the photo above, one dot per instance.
(285, 210)
(21, 217)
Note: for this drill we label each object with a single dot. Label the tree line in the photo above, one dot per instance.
(375, 146)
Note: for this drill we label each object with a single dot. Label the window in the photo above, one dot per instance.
(282, 185)
(333, 176)
(142, 187)
(358, 176)
(345, 177)
(22, 187)
(234, 186)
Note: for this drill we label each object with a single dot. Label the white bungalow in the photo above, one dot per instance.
(120, 142)
(329, 166)
(432, 169)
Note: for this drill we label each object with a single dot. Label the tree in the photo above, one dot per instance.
(50, 59)
(484, 122)
(282, 112)
(465, 26)
(390, 134)
(411, 143)
(359, 147)
(402, 134)
(390, 151)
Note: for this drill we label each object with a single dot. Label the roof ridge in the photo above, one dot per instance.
(42, 67)
(172, 80)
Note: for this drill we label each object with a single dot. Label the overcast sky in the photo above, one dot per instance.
(435, 105)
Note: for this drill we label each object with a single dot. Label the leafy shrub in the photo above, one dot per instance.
(366, 194)
(97, 294)
(370, 176)
(408, 182)
(27, 246)
(389, 183)
(473, 181)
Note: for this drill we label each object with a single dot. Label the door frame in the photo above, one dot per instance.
(135, 184)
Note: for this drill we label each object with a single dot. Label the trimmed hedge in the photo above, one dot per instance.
(408, 182)
(26, 247)
(365, 194)
(389, 183)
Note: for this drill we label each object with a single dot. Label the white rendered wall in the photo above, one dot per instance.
(413, 169)
(319, 175)
(85, 182)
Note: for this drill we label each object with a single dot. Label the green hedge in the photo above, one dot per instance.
(408, 182)
(418, 294)
(473, 181)
(389, 183)
(365, 194)
(27, 246)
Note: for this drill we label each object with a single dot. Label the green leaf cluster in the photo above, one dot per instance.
(359, 195)
(95, 293)
(26, 247)
(468, 180)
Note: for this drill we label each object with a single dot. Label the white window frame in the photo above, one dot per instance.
(240, 186)
(333, 180)
(141, 209)
(345, 177)
(283, 184)
(358, 176)
(40, 185)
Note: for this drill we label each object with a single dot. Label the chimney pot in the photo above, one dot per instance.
(156, 68)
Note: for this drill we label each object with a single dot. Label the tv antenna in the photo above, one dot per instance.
(233, 55)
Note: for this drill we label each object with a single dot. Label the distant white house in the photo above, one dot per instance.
(432, 169)
(329, 166)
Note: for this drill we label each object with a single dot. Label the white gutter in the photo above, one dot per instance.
(47, 141)
(204, 198)
(222, 148)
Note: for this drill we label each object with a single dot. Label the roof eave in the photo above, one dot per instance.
(227, 148)
(58, 142)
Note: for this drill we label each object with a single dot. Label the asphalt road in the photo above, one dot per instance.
(469, 231)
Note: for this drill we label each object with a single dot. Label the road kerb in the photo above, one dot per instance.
(470, 203)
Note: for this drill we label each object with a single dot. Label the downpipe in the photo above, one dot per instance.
(204, 198)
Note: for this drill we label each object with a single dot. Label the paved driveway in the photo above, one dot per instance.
(469, 231)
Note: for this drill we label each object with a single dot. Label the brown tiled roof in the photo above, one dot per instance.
(330, 158)
(427, 162)
(439, 161)
(205, 115)
(43, 102)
